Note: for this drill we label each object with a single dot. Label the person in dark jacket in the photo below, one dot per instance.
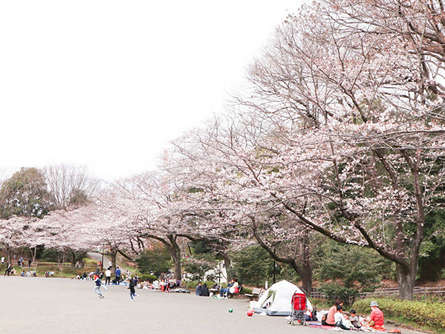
(205, 290)
(117, 273)
(98, 284)
(132, 287)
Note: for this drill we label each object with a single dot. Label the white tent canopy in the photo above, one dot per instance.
(277, 299)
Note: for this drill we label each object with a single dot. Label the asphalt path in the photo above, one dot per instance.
(98, 258)
(68, 306)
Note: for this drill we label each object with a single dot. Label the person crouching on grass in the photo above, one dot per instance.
(376, 318)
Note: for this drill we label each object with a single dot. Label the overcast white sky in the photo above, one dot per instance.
(108, 84)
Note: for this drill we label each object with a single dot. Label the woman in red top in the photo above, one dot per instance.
(376, 318)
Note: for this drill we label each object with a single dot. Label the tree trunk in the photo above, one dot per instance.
(406, 277)
(178, 273)
(228, 266)
(306, 268)
(59, 261)
(73, 259)
(8, 254)
(175, 253)
(34, 255)
(176, 256)
(306, 279)
(113, 259)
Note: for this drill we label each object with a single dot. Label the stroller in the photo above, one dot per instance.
(298, 307)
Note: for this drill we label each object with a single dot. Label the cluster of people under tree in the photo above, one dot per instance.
(232, 288)
(202, 290)
(167, 284)
(20, 261)
(98, 276)
(9, 269)
(107, 275)
(337, 317)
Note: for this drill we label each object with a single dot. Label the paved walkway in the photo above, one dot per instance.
(65, 306)
(98, 258)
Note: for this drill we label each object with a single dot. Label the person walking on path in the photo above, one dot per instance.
(98, 284)
(132, 286)
(118, 275)
(108, 276)
(9, 269)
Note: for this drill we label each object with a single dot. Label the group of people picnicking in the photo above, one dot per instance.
(337, 317)
(10, 270)
(232, 288)
(165, 284)
(106, 275)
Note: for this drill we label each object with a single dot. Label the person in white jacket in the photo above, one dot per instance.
(108, 276)
(340, 320)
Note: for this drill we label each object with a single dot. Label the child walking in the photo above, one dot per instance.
(98, 284)
(132, 286)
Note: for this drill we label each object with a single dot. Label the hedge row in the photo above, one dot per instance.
(424, 313)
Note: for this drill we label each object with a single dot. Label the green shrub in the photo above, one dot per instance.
(335, 291)
(423, 313)
(246, 291)
(154, 261)
(148, 277)
(320, 304)
(191, 285)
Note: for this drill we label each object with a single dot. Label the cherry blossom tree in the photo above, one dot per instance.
(367, 167)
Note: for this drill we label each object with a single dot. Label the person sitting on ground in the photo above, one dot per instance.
(340, 320)
(224, 291)
(205, 290)
(354, 319)
(329, 318)
(311, 315)
(376, 318)
(234, 289)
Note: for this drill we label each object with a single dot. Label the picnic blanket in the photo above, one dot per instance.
(317, 324)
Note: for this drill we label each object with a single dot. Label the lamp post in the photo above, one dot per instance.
(273, 272)
(102, 262)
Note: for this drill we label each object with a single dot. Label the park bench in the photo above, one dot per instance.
(255, 293)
